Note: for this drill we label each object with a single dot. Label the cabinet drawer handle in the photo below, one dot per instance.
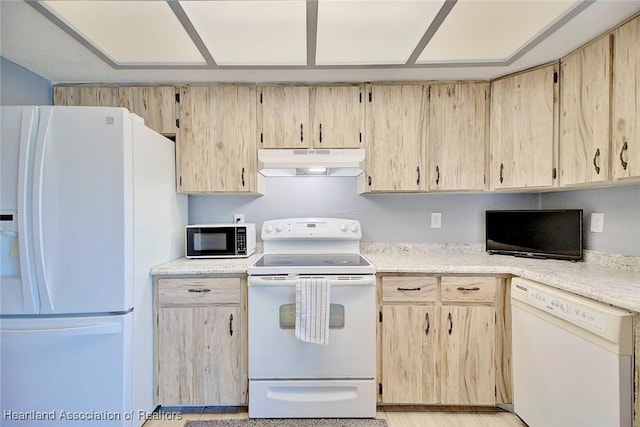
(501, 170)
(426, 331)
(624, 148)
(450, 320)
(462, 289)
(198, 290)
(437, 175)
(595, 161)
(409, 289)
(231, 324)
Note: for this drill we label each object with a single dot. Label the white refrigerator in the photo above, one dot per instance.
(88, 205)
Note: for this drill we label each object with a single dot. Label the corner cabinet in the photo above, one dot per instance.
(584, 119)
(442, 340)
(216, 142)
(396, 117)
(456, 136)
(200, 342)
(625, 158)
(523, 130)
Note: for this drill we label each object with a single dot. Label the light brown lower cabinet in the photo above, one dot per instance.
(438, 340)
(200, 342)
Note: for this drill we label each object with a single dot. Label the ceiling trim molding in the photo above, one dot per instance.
(191, 31)
(433, 28)
(312, 31)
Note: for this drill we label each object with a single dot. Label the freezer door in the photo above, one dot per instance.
(67, 371)
(82, 210)
(18, 292)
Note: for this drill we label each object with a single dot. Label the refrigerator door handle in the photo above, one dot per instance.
(104, 329)
(38, 236)
(30, 300)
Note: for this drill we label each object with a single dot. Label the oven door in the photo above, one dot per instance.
(274, 351)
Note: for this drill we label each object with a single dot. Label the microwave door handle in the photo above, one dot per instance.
(37, 214)
(25, 249)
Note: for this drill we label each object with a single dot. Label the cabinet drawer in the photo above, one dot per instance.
(469, 289)
(408, 289)
(196, 291)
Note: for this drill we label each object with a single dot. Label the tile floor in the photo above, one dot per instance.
(176, 417)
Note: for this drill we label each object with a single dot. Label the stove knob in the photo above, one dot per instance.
(279, 228)
(354, 228)
(268, 228)
(343, 227)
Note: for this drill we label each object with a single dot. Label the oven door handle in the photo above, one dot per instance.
(292, 279)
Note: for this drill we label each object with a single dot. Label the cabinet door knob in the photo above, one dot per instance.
(418, 171)
(595, 161)
(624, 148)
(231, 324)
(437, 175)
(426, 331)
(369, 180)
(242, 177)
(501, 171)
(320, 133)
(301, 133)
(450, 320)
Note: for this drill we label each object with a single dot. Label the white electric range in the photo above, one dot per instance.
(291, 378)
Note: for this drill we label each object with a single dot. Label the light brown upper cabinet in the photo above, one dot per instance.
(155, 104)
(82, 95)
(523, 130)
(456, 136)
(396, 134)
(625, 158)
(584, 119)
(311, 117)
(216, 144)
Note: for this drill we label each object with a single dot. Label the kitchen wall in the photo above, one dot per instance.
(19, 86)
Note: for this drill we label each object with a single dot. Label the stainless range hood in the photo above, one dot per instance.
(311, 162)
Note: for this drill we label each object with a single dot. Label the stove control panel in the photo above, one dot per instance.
(312, 228)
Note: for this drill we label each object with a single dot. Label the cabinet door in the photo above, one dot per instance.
(337, 116)
(199, 360)
(407, 353)
(283, 116)
(457, 118)
(467, 369)
(626, 101)
(584, 119)
(95, 96)
(216, 146)
(155, 104)
(522, 132)
(396, 118)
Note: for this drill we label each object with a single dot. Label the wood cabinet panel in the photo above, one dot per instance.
(197, 291)
(466, 366)
(337, 114)
(625, 156)
(216, 146)
(408, 354)
(396, 134)
(284, 116)
(584, 119)
(456, 136)
(198, 360)
(155, 104)
(469, 289)
(523, 130)
(408, 289)
(100, 96)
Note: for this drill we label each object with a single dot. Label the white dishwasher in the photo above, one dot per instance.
(572, 359)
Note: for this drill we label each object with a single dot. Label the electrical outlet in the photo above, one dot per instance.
(597, 222)
(238, 218)
(436, 220)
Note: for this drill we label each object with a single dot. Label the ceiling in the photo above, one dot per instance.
(296, 40)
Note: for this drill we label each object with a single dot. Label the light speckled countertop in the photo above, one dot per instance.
(599, 278)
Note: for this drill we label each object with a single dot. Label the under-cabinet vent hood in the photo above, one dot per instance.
(303, 162)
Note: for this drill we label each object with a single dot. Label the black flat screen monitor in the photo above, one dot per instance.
(551, 233)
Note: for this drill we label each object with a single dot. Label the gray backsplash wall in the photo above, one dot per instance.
(384, 217)
(621, 209)
(19, 86)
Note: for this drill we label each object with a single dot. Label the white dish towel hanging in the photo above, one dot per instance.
(312, 310)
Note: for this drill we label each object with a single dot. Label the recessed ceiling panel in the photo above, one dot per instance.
(251, 32)
(488, 31)
(130, 32)
(352, 32)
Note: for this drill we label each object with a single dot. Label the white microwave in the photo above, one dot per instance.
(220, 240)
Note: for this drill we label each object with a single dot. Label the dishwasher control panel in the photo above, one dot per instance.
(564, 308)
